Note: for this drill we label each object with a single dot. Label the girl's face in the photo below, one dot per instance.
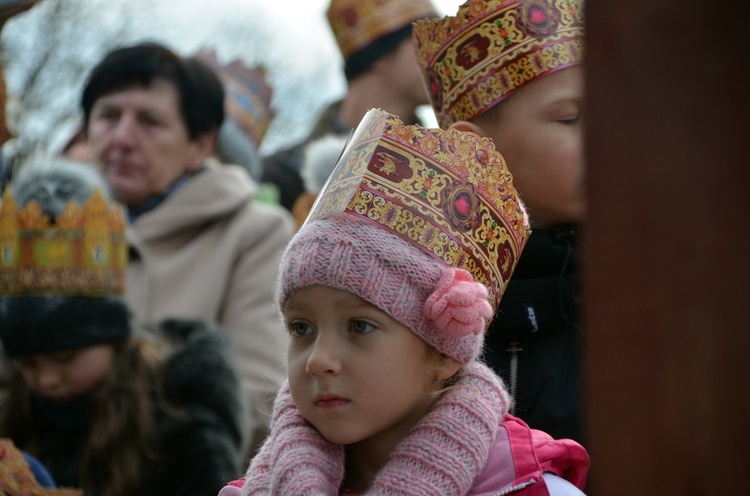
(61, 376)
(355, 373)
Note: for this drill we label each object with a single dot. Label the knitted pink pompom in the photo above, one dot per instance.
(458, 306)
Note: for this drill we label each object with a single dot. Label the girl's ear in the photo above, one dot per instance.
(447, 368)
(465, 126)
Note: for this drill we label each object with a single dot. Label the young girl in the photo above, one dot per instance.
(104, 408)
(385, 393)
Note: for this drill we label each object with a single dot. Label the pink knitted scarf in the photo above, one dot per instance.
(442, 454)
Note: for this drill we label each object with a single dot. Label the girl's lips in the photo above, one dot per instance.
(330, 402)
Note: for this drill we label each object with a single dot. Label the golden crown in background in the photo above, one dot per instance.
(83, 252)
(248, 94)
(448, 193)
(358, 23)
(491, 48)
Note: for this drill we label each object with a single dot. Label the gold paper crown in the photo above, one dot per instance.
(82, 254)
(17, 479)
(248, 94)
(358, 23)
(446, 192)
(491, 48)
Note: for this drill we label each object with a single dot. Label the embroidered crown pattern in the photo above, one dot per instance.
(491, 48)
(83, 252)
(446, 192)
(248, 94)
(358, 23)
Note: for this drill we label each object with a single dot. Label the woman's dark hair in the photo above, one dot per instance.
(201, 93)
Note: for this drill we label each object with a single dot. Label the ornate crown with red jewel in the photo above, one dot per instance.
(358, 23)
(491, 48)
(449, 193)
(82, 253)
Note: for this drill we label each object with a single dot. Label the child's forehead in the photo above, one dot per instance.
(312, 296)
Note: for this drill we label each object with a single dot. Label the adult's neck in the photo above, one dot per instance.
(135, 211)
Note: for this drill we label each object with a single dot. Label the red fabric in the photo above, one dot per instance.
(237, 483)
(535, 452)
(563, 457)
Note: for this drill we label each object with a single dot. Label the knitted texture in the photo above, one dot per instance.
(448, 448)
(443, 453)
(458, 305)
(394, 276)
(295, 459)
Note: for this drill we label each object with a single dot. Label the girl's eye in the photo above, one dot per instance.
(569, 120)
(300, 329)
(361, 327)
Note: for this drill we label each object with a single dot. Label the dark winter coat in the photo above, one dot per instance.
(535, 341)
(198, 448)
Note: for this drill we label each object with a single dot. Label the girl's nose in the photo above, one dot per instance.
(47, 379)
(324, 357)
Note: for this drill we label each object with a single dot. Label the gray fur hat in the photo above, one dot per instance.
(53, 183)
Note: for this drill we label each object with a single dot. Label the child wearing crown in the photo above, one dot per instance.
(386, 293)
(107, 408)
(511, 70)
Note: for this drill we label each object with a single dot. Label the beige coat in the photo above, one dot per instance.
(210, 252)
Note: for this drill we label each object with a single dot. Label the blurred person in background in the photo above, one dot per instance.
(320, 158)
(200, 245)
(511, 70)
(374, 37)
(103, 404)
(248, 112)
(8, 144)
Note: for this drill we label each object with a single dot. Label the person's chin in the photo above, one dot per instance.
(125, 190)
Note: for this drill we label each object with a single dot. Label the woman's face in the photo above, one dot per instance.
(140, 141)
(62, 376)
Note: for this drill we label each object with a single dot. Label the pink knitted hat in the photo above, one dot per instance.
(423, 223)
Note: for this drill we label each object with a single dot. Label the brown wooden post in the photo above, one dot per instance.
(667, 246)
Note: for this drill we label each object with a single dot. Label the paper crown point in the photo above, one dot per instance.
(358, 23)
(448, 193)
(491, 48)
(248, 94)
(83, 252)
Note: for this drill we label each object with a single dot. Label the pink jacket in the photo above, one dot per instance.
(515, 465)
(519, 457)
